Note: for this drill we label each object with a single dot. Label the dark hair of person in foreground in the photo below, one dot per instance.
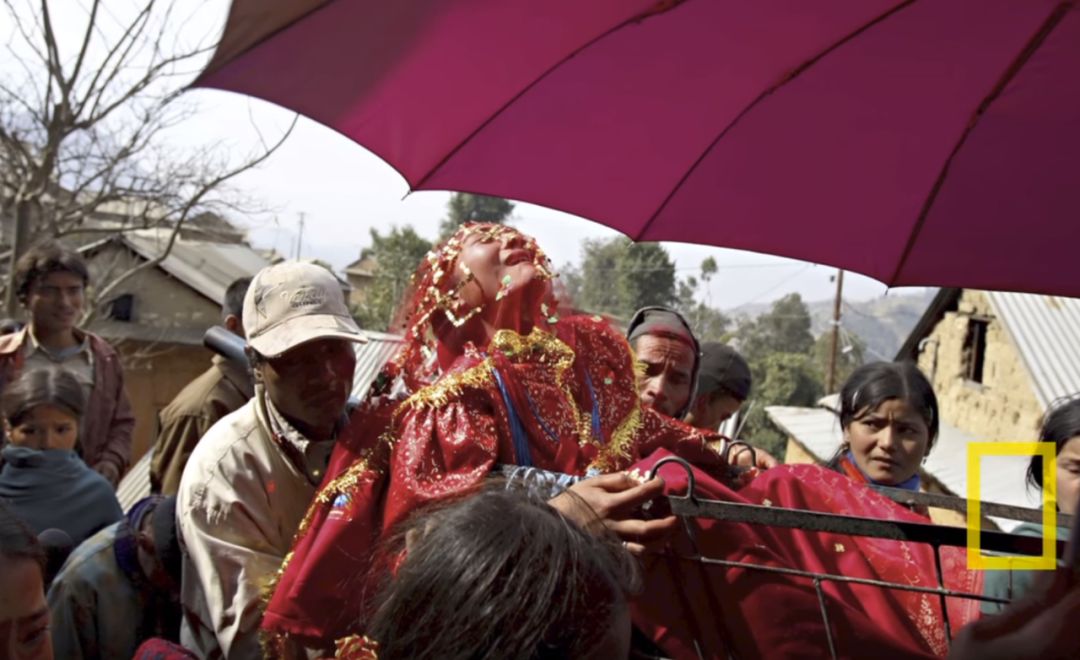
(500, 574)
(17, 541)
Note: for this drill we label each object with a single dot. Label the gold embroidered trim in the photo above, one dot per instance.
(617, 452)
(449, 387)
(273, 643)
(545, 348)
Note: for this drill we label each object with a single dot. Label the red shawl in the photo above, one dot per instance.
(445, 440)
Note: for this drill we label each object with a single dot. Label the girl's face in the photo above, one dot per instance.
(502, 262)
(45, 427)
(1068, 476)
(889, 442)
(24, 614)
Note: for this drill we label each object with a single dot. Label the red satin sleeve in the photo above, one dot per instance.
(441, 452)
(394, 459)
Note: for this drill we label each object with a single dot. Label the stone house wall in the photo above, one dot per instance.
(1003, 406)
(155, 369)
(161, 301)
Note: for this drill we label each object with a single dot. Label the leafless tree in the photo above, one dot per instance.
(82, 122)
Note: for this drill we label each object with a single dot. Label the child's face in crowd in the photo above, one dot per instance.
(45, 427)
(55, 301)
(24, 614)
(888, 443)
(1068, 476)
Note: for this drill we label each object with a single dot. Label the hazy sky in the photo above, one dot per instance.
(343, 191)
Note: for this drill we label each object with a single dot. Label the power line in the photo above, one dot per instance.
(777, 285)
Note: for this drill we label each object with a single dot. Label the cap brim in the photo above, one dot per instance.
(303, 329)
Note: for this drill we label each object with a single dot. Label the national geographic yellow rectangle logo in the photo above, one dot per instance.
(975, 559)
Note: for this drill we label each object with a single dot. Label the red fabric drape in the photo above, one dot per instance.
(395, 457)
(769, 615)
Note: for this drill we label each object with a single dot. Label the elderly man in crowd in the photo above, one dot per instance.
(250, 480)
(223, 388)
(50, 281)
(667, 348)
(723, 385)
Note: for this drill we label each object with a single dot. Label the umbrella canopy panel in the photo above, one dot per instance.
(916, 142)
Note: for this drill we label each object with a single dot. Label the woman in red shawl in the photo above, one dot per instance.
(490, 376)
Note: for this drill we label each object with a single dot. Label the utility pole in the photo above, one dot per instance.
(300, 238)
(830, 377)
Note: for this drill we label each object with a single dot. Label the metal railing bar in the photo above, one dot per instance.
(825, 618)
(1013, 544)
(960, 505)
(950, 593)
(941, 583)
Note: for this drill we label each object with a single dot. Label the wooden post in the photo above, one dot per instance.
(830, 377)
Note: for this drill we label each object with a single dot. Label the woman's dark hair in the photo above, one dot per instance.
(46, 386)
(1060, 424)
(873, 384)
(500, 574)
(43, 259)
(17, 541)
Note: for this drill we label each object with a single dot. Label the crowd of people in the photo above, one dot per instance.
(489, 497)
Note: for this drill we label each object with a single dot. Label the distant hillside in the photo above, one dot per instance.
(882, 323)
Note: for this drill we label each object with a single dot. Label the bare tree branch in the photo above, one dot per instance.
(183, 216)
(82, 143)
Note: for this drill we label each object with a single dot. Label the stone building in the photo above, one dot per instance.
(360, 274)
(156, 319)
(997, 360)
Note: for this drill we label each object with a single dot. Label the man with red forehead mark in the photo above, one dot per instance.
(490, 379)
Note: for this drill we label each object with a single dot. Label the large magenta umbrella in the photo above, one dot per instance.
(919, 142)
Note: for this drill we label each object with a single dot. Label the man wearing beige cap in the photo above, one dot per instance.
(249, 481)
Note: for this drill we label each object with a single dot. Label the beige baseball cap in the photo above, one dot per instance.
(292, 303)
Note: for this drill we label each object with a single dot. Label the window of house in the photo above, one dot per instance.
(975, 349)
(122, 308)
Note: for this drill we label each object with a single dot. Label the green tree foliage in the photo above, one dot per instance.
(784, 329)
(617, 276)
(850, 354)
(396, 255)
(466, 207)
(780, 379)
(709, 324)
(779, 347)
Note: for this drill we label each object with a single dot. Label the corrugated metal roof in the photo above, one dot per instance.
(1046, 333)
(205, 266)
(370, 358)
(818, 430)
(136, 483)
